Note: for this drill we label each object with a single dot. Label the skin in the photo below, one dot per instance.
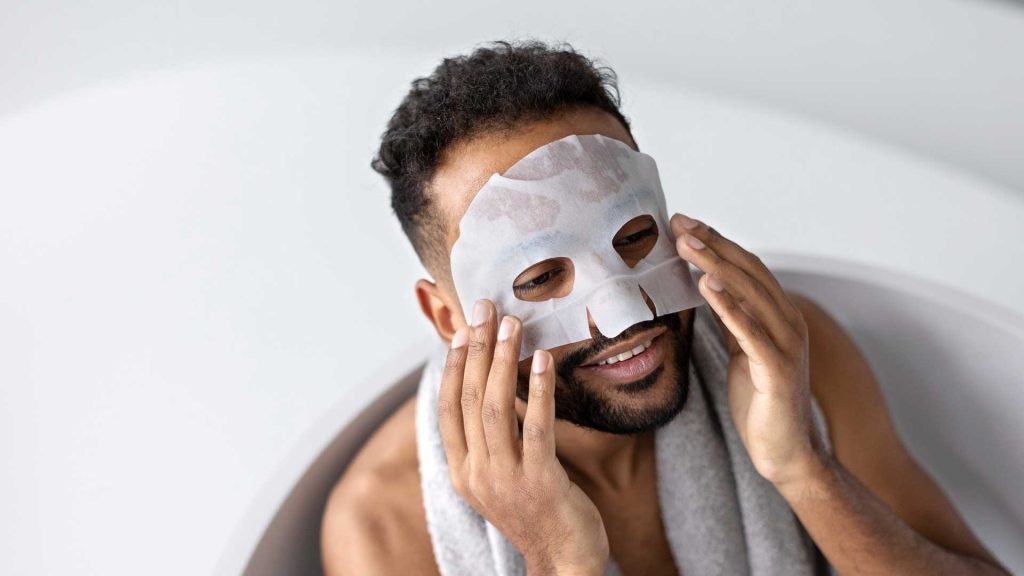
(868, 505)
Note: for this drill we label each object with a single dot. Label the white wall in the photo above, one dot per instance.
(935, 76)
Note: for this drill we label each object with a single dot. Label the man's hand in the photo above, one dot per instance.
(768, 378)
(519, 486)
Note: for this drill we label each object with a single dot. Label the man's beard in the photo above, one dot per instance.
(577, 404)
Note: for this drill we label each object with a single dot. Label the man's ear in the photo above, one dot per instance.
(445, 318)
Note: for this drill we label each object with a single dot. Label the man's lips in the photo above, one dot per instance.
(625, 346)
(632, 369)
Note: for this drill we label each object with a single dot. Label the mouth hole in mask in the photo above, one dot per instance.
(635, 240)
(551, 278)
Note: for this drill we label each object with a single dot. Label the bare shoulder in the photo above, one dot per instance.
(864, 438)
(374, 521)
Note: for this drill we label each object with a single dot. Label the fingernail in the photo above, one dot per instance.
(540, 362)
(505, 330)
(480, 312)
(460, 338)
(695, 242)
(688, 223)
(714, 284)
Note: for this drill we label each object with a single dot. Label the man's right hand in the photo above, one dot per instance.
(518, 486)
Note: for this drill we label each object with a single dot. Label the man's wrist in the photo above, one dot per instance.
(813, 482)
(812, 476)
(546, 567)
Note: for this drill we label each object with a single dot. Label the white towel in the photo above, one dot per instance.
(721, 516)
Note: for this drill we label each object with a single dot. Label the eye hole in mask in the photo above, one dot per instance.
(552, 278)
(635, 240)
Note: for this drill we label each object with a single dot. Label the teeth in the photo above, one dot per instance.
(625, 355)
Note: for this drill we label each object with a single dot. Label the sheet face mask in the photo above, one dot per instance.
(568, 199)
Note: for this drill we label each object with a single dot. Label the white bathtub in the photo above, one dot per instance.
(950, 365)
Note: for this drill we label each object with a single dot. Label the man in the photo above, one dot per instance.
(867, 505)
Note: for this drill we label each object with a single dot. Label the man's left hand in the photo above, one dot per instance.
(769, 386)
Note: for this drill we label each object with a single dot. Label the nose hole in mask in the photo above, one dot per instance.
(551, 278)
(635, 240)
(650, 302)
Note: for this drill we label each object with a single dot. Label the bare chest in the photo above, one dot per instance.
(637, 540)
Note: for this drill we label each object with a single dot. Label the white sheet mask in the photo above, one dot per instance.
(568, 199)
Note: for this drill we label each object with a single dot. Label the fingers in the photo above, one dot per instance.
(539, 422)
(449, 409)
(736, 255)
(480, 352)
(765, 323)
(752, 298)
(501, 427)
(751, 336)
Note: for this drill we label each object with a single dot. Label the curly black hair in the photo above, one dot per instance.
(492, 89)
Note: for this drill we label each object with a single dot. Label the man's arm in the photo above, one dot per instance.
(369, 530)
(374, 521)
(871, 508)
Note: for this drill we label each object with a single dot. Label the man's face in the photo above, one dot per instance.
(646, 384)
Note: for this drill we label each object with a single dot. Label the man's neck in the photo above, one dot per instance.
(607, 462)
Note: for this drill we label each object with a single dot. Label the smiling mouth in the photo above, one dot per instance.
(632, 363)
(628, 348)
(614, 359)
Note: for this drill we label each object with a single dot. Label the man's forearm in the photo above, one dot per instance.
(860, 534)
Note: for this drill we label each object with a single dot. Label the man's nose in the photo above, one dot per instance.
(594, 332)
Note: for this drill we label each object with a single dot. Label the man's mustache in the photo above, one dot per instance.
(600, 342)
